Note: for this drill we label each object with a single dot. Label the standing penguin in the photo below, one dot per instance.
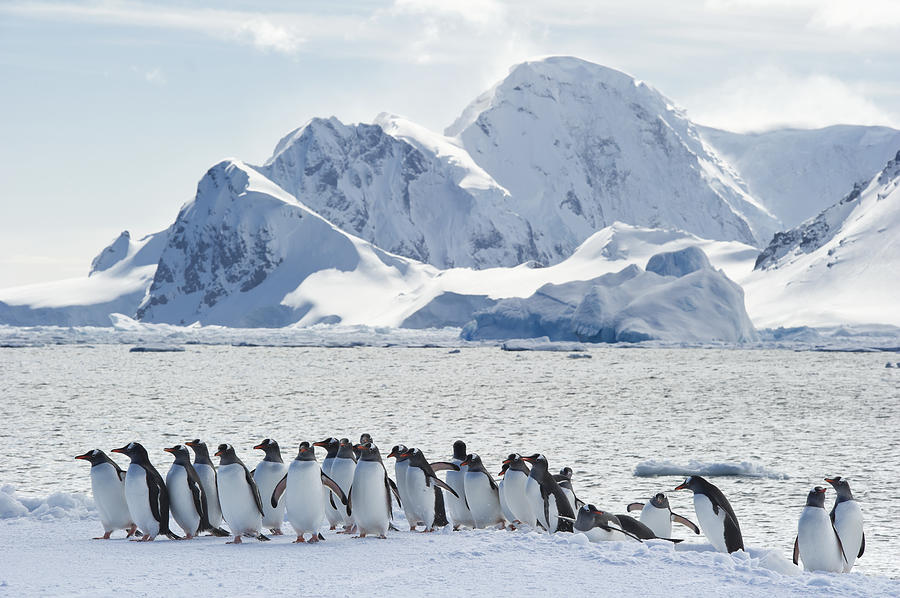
(460, 514)
(364, 438)
(145, 493)
(370, 494)
(482, 494)
(716, 517)
(848, 521)
(239, 496)
(421, 483)
(401, 465)
(206, 471)
(303, 483)
(189, 502)
(342, 470)
(547, 499)
(108, 488)
(564, 479)
(512, 491)
(600, 526)
(332, 512)
(817, 542)
(269, 472)
(658, 516)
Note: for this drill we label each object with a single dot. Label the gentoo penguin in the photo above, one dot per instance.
(848, 521)
(303, 484)
(188, 501)
(108, 488)
(363, 439)
(145, 493)
(658, 516)
(206, 471)
(332, 512)
(817, 543)
(600, 526)
(269, 472)
(513, 499)
(239, 496)
(641, 531)
(421, 482)
(401, 465)
(546, 498)
(564, 479)
(459, 510)
(714, 512)
(370, 494)
(342, 469)
(482, 494)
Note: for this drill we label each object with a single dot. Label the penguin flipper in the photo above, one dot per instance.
(862, 546)
(443, 465)
(333, 486)
(254, 489)
(840, 545)
(199, 499)
(635, 506)
(393, 488)
(350, 502)
(686, 522)
(627, 533)
(734, 541)
(440, 483)
(280, 487)
(440, 513)
(797, 550)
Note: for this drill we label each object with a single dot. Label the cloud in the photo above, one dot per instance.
(771, 97)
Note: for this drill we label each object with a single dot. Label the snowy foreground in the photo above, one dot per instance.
(45, 549)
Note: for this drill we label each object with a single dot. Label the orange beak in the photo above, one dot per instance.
(119, 450)
(190, 443)
(320, 443)
(259, 446)
(218, 453)
(466, 462)
(502, 472)
(85, 457)
(829, 480)
(170, 450)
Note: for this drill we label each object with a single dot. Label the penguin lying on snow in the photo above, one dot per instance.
(146, 494)
(717, 518)
(848, 521)
(658, 516)
(599, 526)
(108, 488)
(817, 542)
(239, 496)
(188, 501)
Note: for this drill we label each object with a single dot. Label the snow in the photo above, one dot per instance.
(445, 563)
(748, 469)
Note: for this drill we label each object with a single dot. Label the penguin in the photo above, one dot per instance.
(817, 543)
(600, 526)
(640, 531)
(369, 501)
(108, 488)
(848, 521)
(546, 498)
(188, 501)
(512, 491)
(342, 469)
(482, 494)
(332, 513)
(421, 483)
(658, 516)
(239, 496)
(401, 465)
(145, 493)
(363, 439)
(460, 515)
(564, 479)
(303, 484)
(206, 471)
(714, 512)
(269, 472)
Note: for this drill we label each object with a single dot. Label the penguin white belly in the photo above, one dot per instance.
(181, 501)
(659, 520)
(109, 496)
(484, 502)
(237, 501)
(570, 496)
(848, 521)
(303, 497)
(536, 502)
(332, 513)
(598, 534)
(400, 470)
(712, 524)
(514, 486)
(504, 506)
(267, 476)
(818, 542)
(137, 495)
(370, 499)
(342, 473)
(207, 477)
(459, 512)
(420, 496)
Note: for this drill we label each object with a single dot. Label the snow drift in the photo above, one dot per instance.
(747, 469)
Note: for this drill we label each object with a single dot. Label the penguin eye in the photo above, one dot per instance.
(130, 445)
(95, 452)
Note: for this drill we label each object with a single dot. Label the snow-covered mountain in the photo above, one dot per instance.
(842, 266)
(796, 173)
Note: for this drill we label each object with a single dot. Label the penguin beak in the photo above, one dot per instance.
(829, 480)
(218, 453)
(320, 443)
(120, 450)
(529, 459)
(393, 454)
(258, 446)
(170, 449)
(466, 462)
(190, 443)
(503, 472)
(405, 455)
(681, 487)
(85, 456)
(359, 447)
(506, 462)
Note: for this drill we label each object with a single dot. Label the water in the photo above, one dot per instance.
(804, 414)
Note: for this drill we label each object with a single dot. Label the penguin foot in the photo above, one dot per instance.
(382, 537)
(361, 535)
(299, 540)
(412, 528)
(332, 528)
(237, 540)
(188, 536)
(314, 539)
(105, 536)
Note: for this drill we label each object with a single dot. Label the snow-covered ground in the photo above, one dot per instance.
(49, 551)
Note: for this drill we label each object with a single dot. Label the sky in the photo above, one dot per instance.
(111, 111)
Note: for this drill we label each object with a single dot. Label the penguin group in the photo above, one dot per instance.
(352, 489)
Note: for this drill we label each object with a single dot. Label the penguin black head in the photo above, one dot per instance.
(694, 483)
(566, 472)
(331, 445)
(95, 456)
(364, 438)
(538, 461)
(398, 451)
(134, 451)
(474, 462)
(841, 487)
(306, 452)
(273, 451)
(504, 468)
(181, 453)
(368, 452)
(459, 450)
(589, 517)
(345, 451)
(816, 497)
(201, 453)
(660, 501)
(513, 462)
